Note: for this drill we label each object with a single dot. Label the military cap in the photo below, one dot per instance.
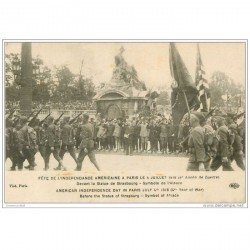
(200, 116)
(220, 119)
(194, 117)
(66, 118)
(85, 116)
(79, 119)
(50, 119)
(233, 126)
(23, 119)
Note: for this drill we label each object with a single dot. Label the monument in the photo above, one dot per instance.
(26, 78)
(125, 94)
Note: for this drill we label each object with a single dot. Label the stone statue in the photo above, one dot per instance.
(125, 75)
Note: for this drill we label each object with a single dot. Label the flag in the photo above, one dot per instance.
(201, 83)
(183, 85)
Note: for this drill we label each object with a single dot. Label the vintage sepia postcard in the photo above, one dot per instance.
(125, 123)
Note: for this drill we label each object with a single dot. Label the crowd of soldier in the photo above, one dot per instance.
(209, 142)
(25, 138)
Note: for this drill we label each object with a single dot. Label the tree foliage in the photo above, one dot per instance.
(220, 85)
(57, 84)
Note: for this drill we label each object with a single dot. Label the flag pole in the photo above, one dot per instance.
(185, 97)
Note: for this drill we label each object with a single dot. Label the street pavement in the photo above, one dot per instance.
(110, 162)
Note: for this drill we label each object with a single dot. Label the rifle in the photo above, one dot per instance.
(209, 113)
(16, 119)
(44, 119)
(236, 117)
(11, 114)
(58, 119)
(31, 114)
(72, 120)
(31, 122)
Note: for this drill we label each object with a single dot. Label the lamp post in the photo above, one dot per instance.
(26, 79)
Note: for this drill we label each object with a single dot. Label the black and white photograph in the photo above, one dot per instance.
(125, 121)
(124, 125)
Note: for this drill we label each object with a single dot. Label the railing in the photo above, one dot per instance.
(58, 112)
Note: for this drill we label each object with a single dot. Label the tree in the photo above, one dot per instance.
(72, 87)
(85, 89)
(12, 93)
(42, 82)
(220, 85)
(42, 79)
(59, 84)
(66, 82)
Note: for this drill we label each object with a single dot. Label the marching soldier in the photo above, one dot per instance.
(68, 140)
(196, 146)
(77, 128)
(8, 139)
(52, 143)
(210, 141)
(237, 147)
(40, 129)
(87, 144)
(16, 154)
(222, 157)
(27, 144)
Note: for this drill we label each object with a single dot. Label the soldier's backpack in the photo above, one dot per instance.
(210, 140)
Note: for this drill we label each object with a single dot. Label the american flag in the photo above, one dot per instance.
(202, 84)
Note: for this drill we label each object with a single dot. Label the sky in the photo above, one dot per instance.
(151, 60)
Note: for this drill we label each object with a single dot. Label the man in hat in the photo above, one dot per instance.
(87, 144)
(222, 157)
(40, 129)
(196, 146)
(68, 140)
(52, 143)
(164, 135)
(237, 147)
(144, 135)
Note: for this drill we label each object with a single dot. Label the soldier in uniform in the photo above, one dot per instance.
(196, 146)
(87, 144)
(41, 137)
(52, 144)
(16, 153)
(68, 140)
(77, 128)
(237, 147)
(8, 139)
(27, 144)
(210, 141)
(222, 156)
